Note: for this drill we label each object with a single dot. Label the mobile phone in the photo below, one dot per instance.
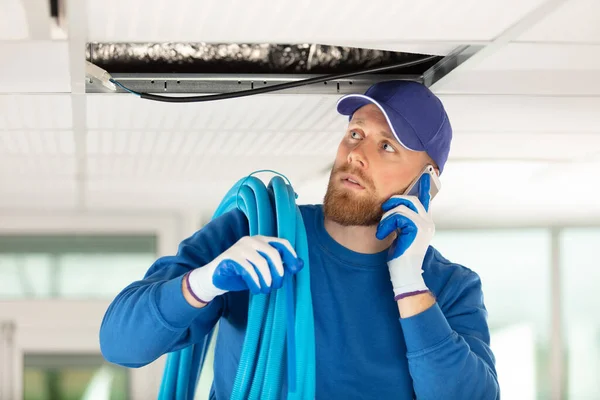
(436, 185)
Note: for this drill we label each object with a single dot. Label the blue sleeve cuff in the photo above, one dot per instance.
(174, 309)
(426, 329)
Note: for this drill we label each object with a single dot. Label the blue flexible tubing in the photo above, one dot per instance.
(278, 323)
(169, 381)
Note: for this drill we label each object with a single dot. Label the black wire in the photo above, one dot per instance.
(282, 86)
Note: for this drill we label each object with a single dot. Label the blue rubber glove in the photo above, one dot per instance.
(254, 263)
(408, 216)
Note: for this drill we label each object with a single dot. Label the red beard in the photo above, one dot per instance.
(347, 207)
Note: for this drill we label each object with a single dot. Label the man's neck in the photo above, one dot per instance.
(360, 239)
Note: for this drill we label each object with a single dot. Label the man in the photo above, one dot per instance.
(393, 318)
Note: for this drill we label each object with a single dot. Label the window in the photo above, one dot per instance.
(514, 267)
(580, 276)
(73, 377)
(74, 267)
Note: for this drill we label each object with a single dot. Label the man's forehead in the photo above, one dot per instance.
(363, 122)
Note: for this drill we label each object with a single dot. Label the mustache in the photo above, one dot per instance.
(356, 172)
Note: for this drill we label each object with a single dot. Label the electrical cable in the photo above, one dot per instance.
(124, 88)
(282, 86)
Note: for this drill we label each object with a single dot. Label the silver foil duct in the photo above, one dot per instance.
(242, 58)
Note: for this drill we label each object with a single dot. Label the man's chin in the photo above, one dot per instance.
(349, 207)
(355, 194)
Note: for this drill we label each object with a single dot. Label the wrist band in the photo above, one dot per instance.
(408, 294)
(189, 288)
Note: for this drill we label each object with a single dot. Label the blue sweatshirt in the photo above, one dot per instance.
(364, 350)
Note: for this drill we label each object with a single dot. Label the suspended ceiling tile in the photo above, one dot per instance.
(26, 168)
(573, 175)
(469, 185)
(33, 112)
(511, 180)
(278, 112)
(111, 167)
(35, 67)
(122, 195)
(38, 194)
(576, 21)
(543, 57)
(138, 168)
(522, 113)
(131, 168)
(528, 82)
(37, 143)
(515, 194)
(201, 187)
(296, 22)
(558, 146)
(210, 168)
(531, 68)
(13, 20)
(134, 142)
(168, 145)
(125, 112)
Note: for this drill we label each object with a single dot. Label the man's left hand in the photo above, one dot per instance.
(408, 216)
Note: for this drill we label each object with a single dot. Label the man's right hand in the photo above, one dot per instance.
(254, 263)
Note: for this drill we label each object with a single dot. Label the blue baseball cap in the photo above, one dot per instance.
(416, 116)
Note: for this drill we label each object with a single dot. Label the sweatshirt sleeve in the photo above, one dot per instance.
(150, 317)
(448, 346)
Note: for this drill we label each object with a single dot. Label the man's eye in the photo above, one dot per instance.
(355, 135)
(388, 147)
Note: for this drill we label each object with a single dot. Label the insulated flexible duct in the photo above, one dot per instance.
(241, 58)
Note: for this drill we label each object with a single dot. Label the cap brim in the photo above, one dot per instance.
(402, 130)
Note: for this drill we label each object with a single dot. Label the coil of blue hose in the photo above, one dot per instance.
(285, 316)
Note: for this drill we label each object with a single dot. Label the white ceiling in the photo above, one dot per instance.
(302, 21)
(526, 116)
(570, 22)
(13, 20)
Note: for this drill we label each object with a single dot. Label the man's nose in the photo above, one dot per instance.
(357, 157)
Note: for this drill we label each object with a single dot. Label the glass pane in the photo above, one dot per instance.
(514, 266)
(580, 277)
(73, 377)
(24, 275)
(58, 244)
(75, 267)
(105, 274)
